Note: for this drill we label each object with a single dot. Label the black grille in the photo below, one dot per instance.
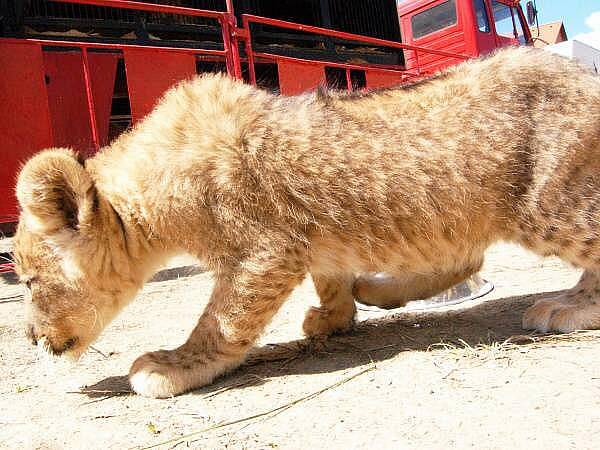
(377, 19)
(88, 22)
(374, 18)
(85, 22)
(307, 12)
(45, 8)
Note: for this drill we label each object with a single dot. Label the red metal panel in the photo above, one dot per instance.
(451, 39)
(67, 99)
(24, 116)
(297, 77)
(377, 79)
(103, 69)
(430, 63)
(151, 73)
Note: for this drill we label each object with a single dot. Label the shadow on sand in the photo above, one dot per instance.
(372, 340)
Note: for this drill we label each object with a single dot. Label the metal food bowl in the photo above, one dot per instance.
(472, 288)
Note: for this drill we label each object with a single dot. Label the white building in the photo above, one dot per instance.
(584, 53)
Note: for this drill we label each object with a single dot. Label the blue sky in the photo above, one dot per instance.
(572, 12)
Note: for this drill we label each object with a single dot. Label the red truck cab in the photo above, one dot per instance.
(468, 27)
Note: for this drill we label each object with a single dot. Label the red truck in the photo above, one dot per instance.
(78, 72)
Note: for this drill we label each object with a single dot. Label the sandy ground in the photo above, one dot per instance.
(463, 377)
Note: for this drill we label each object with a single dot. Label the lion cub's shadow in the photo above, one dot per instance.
(372, 340)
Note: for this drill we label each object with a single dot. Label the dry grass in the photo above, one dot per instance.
(514, 343)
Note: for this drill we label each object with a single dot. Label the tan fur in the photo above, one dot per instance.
(414, 181)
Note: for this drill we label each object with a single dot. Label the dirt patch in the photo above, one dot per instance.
(467, 376)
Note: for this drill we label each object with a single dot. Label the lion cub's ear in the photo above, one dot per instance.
(55, 192)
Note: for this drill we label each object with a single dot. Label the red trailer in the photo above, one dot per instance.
(78, 72)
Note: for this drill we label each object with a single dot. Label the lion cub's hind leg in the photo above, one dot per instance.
(578, 309)
(566, 225)
(336, 313)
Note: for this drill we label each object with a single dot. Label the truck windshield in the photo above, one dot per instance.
(507, 21)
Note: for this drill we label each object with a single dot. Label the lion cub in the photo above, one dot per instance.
(416, 181)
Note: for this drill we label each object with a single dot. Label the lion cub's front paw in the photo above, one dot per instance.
(157, 375)
(321, 322)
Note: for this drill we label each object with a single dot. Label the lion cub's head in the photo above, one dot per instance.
(69, 253)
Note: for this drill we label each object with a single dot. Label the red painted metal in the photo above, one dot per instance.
(100, 45)
(103, 70)
(25, 125)
(348, 80)
(90, 100)
(230, 41)
(378, 79)
(388, 69)
(67, 99)
(296, 77)
(250, 54)
(231, 46)
(149, 75)
(80, 104)
(451, 39)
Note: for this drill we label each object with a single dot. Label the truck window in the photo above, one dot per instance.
(434, 19)
(483, 22)
(519, 27)
(507, 21)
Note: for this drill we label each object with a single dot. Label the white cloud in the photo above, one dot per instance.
(593, 21)
(593, 38)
